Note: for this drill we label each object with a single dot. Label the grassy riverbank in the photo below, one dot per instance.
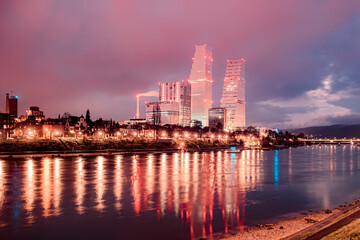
(43, 145)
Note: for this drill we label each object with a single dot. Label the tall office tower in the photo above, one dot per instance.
(178, 92)
(12, 105)
(201, 84)
(233, 96)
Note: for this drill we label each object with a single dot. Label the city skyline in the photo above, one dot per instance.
(301, 71)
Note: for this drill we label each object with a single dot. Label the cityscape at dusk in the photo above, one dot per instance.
(180, 119)
(301, 56)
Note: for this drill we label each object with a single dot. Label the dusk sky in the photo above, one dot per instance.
(302, 68)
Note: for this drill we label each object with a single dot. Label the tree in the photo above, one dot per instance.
(87, 117)
(157, 118)
(156, 114)
(219, 126)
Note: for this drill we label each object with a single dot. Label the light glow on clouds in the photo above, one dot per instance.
(313, 107)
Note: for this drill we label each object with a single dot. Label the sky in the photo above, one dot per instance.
(302, 68)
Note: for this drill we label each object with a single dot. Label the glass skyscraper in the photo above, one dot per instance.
(201, 84)
(233, 96)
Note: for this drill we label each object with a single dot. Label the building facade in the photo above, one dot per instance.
(7, 125)
(161, 113)
(12, 105)
(178, 92)
(36, 113)
(217, 117)
(201, 84)
(233, 96)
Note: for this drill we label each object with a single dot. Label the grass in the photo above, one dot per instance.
(348, 232)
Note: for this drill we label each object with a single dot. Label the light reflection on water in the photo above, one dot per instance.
(180, 195)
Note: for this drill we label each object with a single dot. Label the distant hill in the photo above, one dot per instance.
(338, 131)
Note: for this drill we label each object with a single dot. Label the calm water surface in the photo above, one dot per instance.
(170, 196)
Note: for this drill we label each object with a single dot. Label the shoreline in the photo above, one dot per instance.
(77, 147)
(312, 225)
(109, 152)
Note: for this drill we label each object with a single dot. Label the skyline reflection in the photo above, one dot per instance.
(201, 193)
(80, 185)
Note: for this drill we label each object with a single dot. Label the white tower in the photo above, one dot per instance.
(233, 96)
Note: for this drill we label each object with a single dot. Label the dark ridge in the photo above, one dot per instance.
(338, 131)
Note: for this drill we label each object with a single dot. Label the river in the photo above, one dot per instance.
(171, 196)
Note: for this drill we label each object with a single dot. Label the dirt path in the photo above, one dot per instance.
(334, 227)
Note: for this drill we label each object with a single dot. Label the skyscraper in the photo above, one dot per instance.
(201, 84)
(233, 96)
(178, 92)
(12, 105)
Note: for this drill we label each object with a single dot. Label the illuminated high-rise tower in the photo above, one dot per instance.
(201, 84)
(233, 96)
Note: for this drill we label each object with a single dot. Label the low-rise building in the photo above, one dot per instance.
(161, 113)
(6, 125)
(35, 111)
(53, 128)
(217, 117)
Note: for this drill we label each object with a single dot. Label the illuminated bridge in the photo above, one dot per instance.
(330, 141)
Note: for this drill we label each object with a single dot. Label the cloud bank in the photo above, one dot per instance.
(74, 55)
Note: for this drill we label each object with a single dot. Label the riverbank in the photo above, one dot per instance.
(91, 147)
(338, 223)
